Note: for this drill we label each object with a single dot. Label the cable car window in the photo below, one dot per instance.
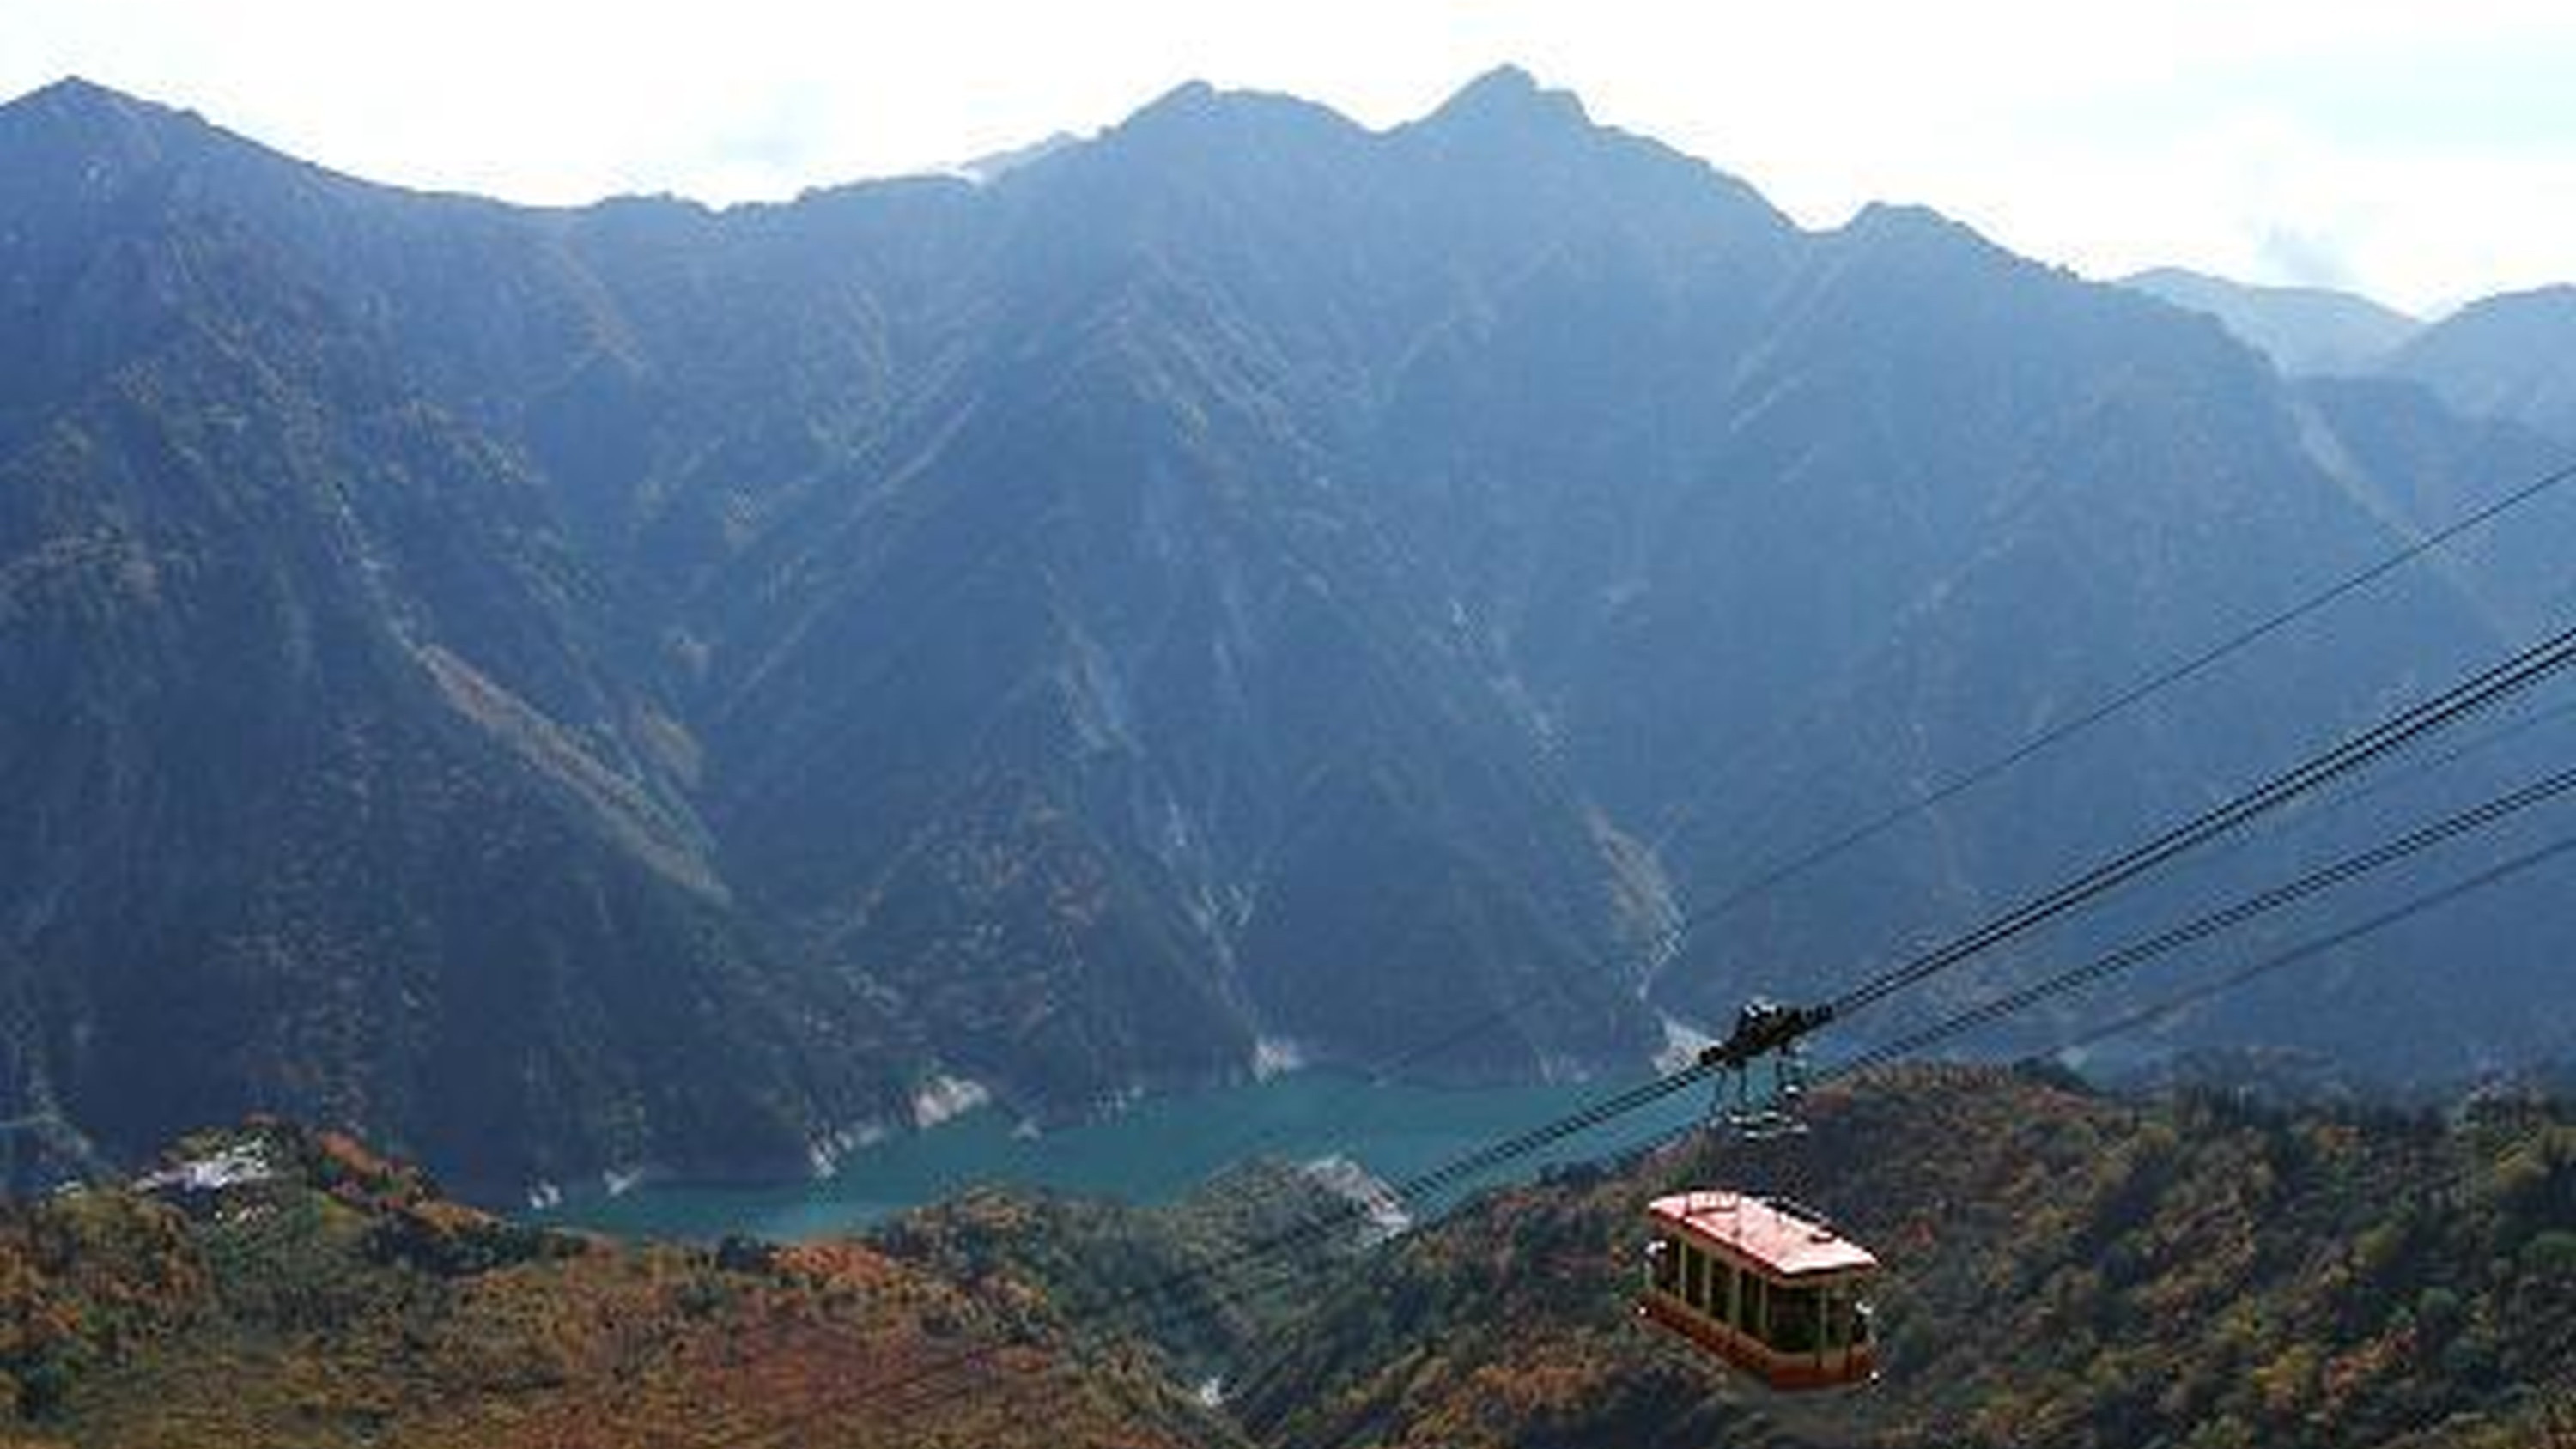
(1837, 1316)
(1666, 1255)
(1749, 1306)
(1793, 1320)
(1721, 1293)
(1694, 1278)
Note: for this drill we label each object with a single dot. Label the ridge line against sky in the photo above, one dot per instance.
(2421, 153)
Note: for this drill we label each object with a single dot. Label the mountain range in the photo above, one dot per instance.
(571, 689)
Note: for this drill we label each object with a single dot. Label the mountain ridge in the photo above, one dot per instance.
(2503, 356)
(2304, 330)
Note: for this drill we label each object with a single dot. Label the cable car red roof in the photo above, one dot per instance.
(1782, 1241)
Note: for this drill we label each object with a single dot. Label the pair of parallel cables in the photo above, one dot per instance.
(916, 1390)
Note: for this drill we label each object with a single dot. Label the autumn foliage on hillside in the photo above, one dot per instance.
(1175, 1279)
(342, 1301)
(2064, 1269)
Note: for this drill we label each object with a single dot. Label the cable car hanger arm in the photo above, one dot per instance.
(1762, 1028)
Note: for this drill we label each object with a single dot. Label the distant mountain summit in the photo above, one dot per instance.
(2502, 357)
(643, 687)
(2511, 356)
(1508, 98)
(78, 116)
(2304, 330)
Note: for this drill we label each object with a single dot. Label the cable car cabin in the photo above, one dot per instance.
(1767, 1288)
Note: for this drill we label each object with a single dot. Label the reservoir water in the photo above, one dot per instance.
(1154, 1151)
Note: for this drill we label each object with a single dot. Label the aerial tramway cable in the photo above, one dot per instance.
(1974, 1018)
(2177, 672)
(2516, 673)
(1670, 938)
(2508, 678)
(2216, 986)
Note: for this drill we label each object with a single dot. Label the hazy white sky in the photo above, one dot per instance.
(2424, 152)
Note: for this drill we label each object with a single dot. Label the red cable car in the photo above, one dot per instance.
(1763, 1285)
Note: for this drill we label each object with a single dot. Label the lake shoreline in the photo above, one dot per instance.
(1155, 1150)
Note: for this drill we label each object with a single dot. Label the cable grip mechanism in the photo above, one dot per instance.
(1761, 1068)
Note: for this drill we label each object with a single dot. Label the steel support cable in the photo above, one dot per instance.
(2217, 986)
(2165, 678)
(2261, 903)
(2020, 999)
(1465, 1168)
(2516, 673)
(1669, 939)
(1349, 1214)
(2435, 761)
(2503, 678)
(1974, 1018)
(2388, 778)
(2473, 695)
(1963, 1022)
(2497, 682)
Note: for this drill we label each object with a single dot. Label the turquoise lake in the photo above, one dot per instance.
(1156, 1150)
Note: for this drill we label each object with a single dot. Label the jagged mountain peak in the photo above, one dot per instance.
(1506, 104)
(78, 139)
(1509, 98)
(1199, 108)
(1517, 143)
(1907, 240)
(75, 113)
(78, 95)
(1189, 98)
(1882, 222)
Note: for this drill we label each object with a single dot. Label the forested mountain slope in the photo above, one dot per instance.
(2060, 1267)
(636, 685)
